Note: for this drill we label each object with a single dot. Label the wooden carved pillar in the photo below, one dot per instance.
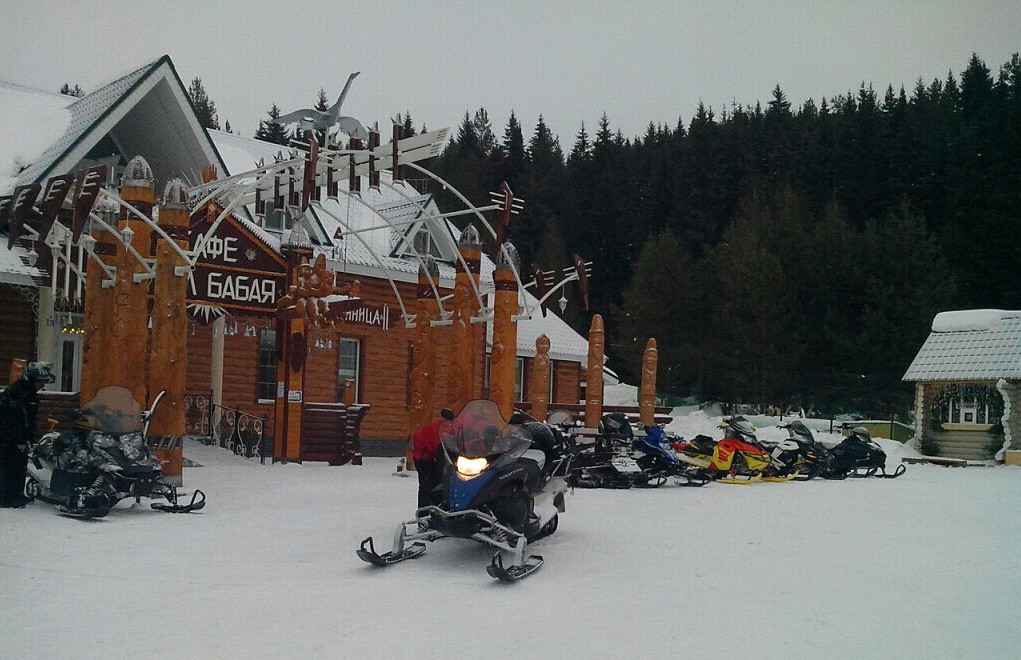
(464, 345)
(503, 360)
(292, 349)
(423, 354)
(99, 306)
(538, 394)
(594, 374)
(647, 390)
(168, 361)
(128, 351)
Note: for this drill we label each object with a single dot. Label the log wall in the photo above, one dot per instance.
(17, 330)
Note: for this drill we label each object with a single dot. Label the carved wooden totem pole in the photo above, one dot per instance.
(423, 356)
(594, 374)
(99, 306)
(130, 340)
(503, 360)
(647, 390)
(538, 394)
(168, 360)
(292, 350)
(463, 357)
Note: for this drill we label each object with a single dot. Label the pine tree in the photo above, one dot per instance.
(205, 109)
(582, 149)
(322, 104)
(407, 125)
(907, 282)
(484, 132)
(270, 131)
(513, 148)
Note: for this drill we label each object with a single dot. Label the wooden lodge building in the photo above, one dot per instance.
(232, 294)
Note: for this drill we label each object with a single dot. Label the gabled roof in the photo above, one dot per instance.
(982, 344)
(144, 112)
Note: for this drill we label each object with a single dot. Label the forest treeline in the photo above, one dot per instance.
(778, 255)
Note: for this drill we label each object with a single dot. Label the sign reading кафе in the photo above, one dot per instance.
(236, 270)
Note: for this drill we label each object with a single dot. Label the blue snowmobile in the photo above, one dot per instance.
(503, 486)
(655, 455)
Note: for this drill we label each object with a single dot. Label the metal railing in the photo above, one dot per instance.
(237, 431)
(197, 420)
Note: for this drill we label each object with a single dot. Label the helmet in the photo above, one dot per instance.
(741, 426)
(615, 424)
(38, 371)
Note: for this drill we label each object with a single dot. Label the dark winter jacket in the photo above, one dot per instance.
(19, 404)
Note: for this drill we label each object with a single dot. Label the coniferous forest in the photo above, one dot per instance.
(778, 255)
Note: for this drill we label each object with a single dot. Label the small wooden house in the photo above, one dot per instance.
(966, 377)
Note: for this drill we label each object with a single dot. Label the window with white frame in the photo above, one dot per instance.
(424, 244)
(967, 405)
(348, 366)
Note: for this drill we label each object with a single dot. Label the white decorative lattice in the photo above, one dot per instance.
(1005, 392)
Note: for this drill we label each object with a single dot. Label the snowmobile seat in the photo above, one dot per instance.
(537, 456)
(543, 439)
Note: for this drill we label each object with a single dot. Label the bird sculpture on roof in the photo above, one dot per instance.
(324, 120)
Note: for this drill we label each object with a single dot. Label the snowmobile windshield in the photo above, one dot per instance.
(480, 431)
(799, 430)
(114, 410)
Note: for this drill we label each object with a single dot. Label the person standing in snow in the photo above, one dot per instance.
(19, 404)
(425, 449)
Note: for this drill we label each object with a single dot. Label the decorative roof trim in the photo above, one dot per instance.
(119, 108)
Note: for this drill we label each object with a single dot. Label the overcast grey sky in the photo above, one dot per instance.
(636, 61)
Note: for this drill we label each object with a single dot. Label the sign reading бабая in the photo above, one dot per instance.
(235, 270)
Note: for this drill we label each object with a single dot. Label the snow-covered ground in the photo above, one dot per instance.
(923, 566)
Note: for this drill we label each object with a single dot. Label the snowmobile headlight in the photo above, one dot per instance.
(471, 467)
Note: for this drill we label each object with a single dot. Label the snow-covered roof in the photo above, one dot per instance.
(146, 112)
(30, 122)
(978, 344)
(13, 269)
(241, 154)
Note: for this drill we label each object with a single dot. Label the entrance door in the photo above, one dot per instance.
(68, 363)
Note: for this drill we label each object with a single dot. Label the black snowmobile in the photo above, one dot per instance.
(606, 461)
(503, 485)
(105, 459)
(798, 457)
(858, 455)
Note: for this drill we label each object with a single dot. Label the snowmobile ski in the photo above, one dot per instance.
(173, 507)
(901, 469)
(692, 480)
(83, 513)
(779, 479)
(503, 573)
(369, 554)
(734, 480)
